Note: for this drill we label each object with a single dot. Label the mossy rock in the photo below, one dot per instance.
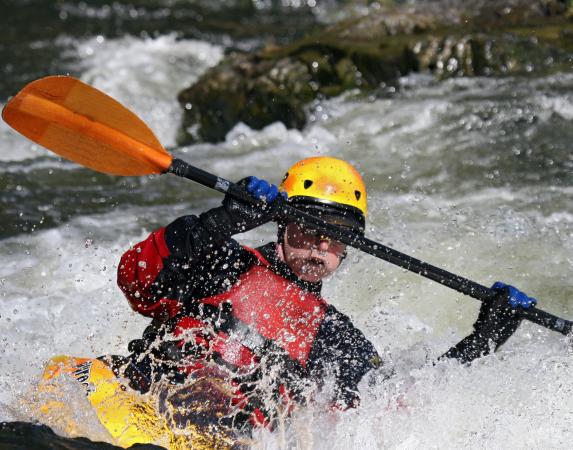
(276, 84)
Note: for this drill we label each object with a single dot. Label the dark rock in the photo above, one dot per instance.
(277, 84)
(27, 436)
(480, 54)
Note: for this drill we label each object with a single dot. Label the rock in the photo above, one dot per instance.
(26, 436)
(481, 54)
(276, 84)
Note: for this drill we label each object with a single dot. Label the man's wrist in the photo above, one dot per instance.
(219, 223)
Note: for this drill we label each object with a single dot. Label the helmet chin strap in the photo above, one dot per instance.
(280, 252)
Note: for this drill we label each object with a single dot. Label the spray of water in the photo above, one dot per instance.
(472, 175)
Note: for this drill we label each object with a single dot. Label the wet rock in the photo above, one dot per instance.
(26, 436)
(482, 55)
(277, 84)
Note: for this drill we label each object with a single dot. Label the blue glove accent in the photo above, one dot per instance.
(262, 190)
(516, 297)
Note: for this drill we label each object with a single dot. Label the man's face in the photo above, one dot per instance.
(309, 254)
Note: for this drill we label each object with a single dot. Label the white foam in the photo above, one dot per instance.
(247, 151)
(147, 74)
(517, 398)
(561, 105)
(410, 147)
(59, 296)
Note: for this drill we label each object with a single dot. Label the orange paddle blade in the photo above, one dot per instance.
(84, 125)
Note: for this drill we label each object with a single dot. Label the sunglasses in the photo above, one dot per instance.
(304, 237)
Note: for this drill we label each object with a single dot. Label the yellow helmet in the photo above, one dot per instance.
(330, 185)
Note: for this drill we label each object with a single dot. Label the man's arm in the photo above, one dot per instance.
(342, 350)
(160, 272)
(498, 319)
(157, 272)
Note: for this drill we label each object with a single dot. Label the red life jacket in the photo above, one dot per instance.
(267, 307)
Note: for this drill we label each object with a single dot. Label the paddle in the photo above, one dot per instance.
(84, 125)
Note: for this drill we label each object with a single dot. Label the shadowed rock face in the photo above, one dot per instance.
(373, 51)
(24, 436)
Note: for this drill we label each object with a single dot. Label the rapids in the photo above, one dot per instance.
(472, 175)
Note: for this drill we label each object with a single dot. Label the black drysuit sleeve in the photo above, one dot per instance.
(495, 324)
(203, 262)
(341, 350)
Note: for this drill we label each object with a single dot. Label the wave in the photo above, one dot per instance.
(145, 74)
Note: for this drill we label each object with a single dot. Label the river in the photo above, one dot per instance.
(472, 175)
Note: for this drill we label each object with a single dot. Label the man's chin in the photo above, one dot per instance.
(312, 274)
(310, 279)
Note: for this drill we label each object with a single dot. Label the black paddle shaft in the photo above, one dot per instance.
(456, 282)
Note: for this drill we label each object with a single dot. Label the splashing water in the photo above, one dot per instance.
(473, 175)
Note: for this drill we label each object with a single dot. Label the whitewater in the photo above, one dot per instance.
(472, 175)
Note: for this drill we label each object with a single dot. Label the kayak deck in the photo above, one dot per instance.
(127, 416)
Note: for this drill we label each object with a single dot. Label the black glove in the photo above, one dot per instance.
(497, 321)
(236, 216)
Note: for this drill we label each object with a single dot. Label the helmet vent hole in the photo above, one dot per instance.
(357, 194)
(307, 183)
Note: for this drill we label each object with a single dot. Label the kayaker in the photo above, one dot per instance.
(254, 319)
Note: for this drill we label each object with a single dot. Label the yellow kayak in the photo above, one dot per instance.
(127, 416)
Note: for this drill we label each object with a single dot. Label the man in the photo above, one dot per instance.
(252, 321)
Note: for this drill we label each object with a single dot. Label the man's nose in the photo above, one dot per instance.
(323, 245)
